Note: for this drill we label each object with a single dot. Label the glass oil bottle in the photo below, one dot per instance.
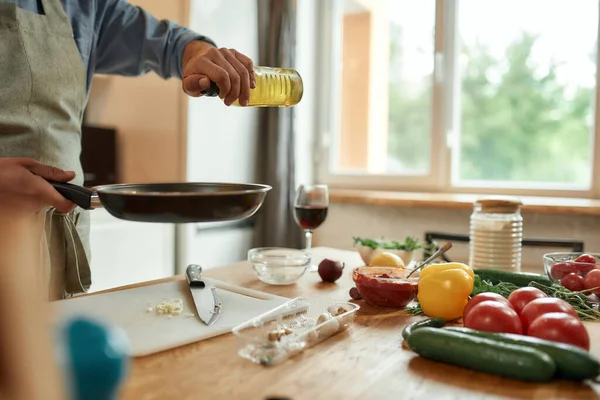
(275, 87)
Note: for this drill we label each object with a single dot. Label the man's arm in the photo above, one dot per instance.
(132, 42)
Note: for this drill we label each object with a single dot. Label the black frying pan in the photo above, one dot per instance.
(170, 202)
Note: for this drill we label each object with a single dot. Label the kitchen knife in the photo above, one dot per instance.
(205, 296)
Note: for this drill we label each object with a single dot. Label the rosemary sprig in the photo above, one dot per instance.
(578, 300)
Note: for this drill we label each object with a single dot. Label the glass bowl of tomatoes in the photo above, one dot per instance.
(574, 271)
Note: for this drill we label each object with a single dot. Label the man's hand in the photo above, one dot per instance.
(23, 188)
(232, 71)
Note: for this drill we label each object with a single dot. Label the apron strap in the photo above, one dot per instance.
(78, 277)
(53, 10)
(76, 267)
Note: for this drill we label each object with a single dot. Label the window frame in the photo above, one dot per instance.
(445, 118)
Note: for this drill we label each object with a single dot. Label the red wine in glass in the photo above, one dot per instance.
(310, 211)
(310, 217)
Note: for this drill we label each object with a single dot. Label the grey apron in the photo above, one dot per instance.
(42, 97)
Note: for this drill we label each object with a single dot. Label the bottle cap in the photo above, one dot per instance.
(212, 91)
(499, 205)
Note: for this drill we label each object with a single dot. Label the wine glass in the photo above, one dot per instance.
(310, 211)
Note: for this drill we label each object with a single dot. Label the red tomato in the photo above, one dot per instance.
(586, 258)
(494, 316)
(542, 306)
(522, 296)
(592, 280)
(573, 282)
(483, 297)
(558, 270)
(560, 327)
(583, 268)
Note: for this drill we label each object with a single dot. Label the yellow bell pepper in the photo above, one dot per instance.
(433, 268)
(444, 292)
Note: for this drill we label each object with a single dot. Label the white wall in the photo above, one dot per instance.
(347, 220)
(305, 112)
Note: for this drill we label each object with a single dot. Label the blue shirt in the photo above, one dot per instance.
(116, 37)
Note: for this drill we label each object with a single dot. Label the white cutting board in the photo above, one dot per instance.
(150, 333)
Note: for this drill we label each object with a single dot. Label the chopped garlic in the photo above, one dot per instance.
(170, 307)
(189, 315)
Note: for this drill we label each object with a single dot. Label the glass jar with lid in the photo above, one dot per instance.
(496, 234)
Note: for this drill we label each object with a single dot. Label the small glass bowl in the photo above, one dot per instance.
(386, 286)
(279, 265)
(560, 264)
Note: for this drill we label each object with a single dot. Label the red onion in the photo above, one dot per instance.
(330, 271)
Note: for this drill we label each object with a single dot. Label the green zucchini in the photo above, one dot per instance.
(520, 279)
(482, 354)
(430, 322)
(572, 362)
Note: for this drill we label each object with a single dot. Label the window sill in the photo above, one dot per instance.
(542, 205)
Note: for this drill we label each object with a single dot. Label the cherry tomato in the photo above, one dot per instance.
(583, 268)
(586, 258)
(573, 282)
(483, 297)
(541, 306)
(494, 316)
(560, 327)
(522, 296)
(558, 270)
(592, 280)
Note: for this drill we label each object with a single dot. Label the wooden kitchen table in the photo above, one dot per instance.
(366, 362)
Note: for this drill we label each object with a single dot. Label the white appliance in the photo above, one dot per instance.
(125, 252)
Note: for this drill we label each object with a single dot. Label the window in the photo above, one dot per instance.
(463, 95)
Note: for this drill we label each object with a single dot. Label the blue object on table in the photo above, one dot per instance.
(96, 358)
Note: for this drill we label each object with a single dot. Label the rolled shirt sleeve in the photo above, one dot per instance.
(131, 42)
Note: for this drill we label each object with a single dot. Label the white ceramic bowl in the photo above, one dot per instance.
(279, 265)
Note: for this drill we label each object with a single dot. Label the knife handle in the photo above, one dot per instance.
(193, 276)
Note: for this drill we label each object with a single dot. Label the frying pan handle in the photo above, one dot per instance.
(77, 194)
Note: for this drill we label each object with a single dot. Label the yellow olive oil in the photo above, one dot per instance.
(275, 87)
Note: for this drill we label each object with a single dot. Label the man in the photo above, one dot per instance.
(49, 50)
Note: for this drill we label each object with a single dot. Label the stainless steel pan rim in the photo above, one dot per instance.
(119, 189)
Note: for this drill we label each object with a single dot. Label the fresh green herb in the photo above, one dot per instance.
(502, 288)
(358, 241)
(415, 310)
(409, 244)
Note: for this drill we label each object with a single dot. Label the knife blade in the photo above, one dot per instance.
(206, 298)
